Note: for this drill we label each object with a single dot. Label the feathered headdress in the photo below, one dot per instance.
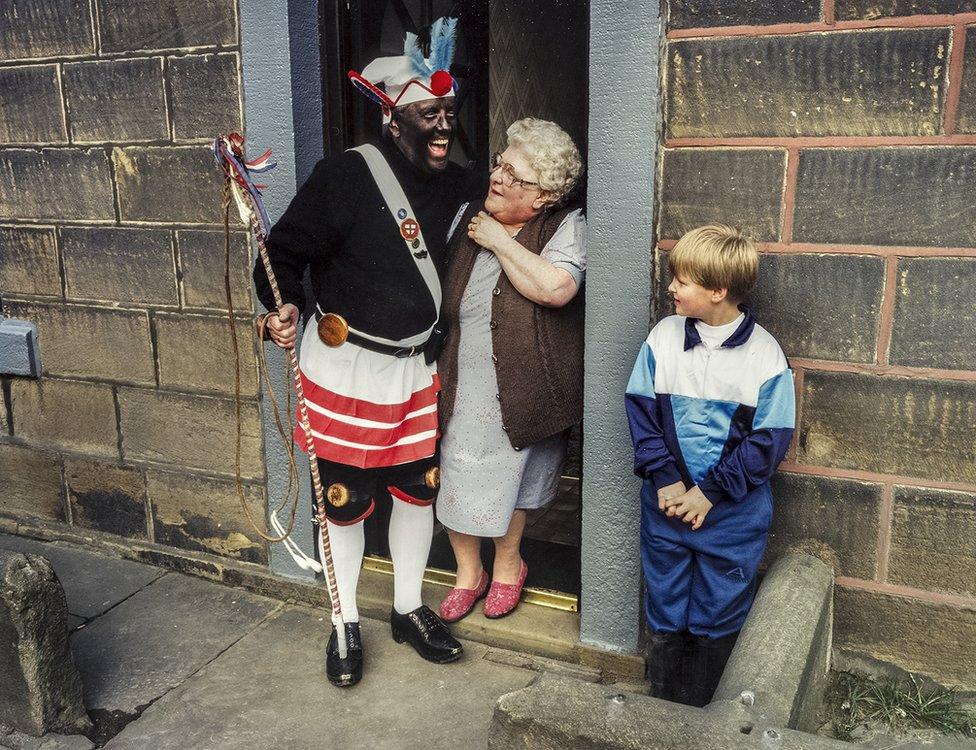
(411, 77)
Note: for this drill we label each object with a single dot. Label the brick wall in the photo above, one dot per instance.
(842, 135)
(111, 240)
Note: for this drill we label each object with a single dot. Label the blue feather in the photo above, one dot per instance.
(412, 51)
(442, 43)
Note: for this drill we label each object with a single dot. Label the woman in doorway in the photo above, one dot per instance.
(511, 370)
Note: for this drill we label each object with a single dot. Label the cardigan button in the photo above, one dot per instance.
(498, 397)
(493, 325)
(504, 428)
(517, 448)
(496, 291)
(494, 359)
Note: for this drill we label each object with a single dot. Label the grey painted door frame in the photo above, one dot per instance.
(624, 126)
(281, 78)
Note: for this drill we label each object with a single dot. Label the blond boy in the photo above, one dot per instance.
(711, 409)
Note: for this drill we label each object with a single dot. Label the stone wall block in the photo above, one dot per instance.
(169, 183)
(849, 10)
(29, 261)
(30, 483)
(127, 25)
(890, 425)
(889, 82)
(933, 540)
(935, 313)
(203, 95)
(119, 264)
(46, 29)
(966, 111)
(821, 306)
(202, 262)
(703, 13)
(887, 196)
(835, 520)
(196, 352)
(30, 100)
(702, 186)
(925, 637)
(63, 183)
(90, 342)
(107, 497)
(195, 431)
(116, 100)
(205, 515)
(65, 414)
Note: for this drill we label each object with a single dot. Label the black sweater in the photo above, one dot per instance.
(339, 226)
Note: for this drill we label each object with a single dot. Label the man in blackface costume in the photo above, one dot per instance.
(371, 226)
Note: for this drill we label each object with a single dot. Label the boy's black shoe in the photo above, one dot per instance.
(706, 662)
(345, 672)
(665, 655)
(427, 633)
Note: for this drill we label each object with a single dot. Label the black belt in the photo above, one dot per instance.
(396, 351)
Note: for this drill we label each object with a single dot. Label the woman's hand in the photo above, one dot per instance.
(487, 232)
(283, 325)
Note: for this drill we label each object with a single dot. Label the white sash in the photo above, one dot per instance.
(400, 208)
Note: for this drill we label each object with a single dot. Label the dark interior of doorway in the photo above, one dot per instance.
(514, 59)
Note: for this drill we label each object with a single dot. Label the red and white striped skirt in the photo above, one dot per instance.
(367, 409)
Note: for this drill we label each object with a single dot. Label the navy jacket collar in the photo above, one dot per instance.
(739, 336)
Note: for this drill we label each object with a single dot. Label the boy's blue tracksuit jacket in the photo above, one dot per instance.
(719, 416)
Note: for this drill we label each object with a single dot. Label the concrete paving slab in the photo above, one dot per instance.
(93, 583)
(154, 640)
(270, 691)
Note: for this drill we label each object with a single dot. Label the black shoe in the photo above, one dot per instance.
(427, 633)
(665, 655)
(706, 662)
(345, 672)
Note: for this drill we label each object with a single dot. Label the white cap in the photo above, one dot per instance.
(411, 77)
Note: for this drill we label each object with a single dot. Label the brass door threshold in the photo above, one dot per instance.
(439, 577)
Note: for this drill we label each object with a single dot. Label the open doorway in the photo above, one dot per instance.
(514, 59)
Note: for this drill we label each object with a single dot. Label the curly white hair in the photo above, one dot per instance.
(550, 151)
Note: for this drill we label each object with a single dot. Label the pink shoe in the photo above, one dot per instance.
(503, 598)
(459, 602)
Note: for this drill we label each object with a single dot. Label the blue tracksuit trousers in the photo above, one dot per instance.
(703, 581)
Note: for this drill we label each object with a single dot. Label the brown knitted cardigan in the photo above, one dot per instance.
(537, 351)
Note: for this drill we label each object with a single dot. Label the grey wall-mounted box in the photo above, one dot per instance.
(19, 353)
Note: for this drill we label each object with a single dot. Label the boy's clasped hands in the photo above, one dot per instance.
(691, 505)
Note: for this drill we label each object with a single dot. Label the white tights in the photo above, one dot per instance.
(411, 528)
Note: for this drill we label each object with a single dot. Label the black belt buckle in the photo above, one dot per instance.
(408, 351)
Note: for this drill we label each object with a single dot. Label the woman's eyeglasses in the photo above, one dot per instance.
(508, 172)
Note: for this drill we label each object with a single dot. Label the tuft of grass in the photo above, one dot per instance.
(894, 706)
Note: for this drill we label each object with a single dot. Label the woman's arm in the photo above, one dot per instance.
(534, 277)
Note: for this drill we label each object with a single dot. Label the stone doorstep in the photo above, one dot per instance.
(532, 629)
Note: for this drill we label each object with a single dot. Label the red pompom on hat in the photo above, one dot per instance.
(442, 83)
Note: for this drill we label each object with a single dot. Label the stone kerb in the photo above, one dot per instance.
(40, 689)
(783, 653)
(772, 687)
(557, 712)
